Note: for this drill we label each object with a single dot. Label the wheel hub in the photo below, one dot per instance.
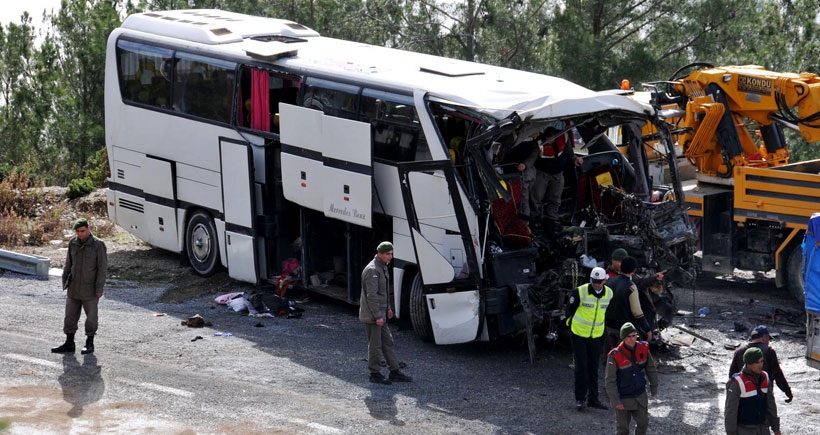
(201, 243)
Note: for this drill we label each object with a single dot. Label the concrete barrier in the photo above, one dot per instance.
(23, 263)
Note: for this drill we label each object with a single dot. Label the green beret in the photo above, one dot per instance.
(752, 355)
(384, 247)
(619, 254)
(627, 329)
(81, 222)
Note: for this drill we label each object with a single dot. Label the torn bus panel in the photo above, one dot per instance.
(608, 201)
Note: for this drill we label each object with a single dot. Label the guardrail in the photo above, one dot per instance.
(24, 263)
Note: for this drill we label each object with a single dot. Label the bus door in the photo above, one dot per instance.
(445, 249)
(327, 164)
(237, 170)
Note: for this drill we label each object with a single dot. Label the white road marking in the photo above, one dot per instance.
(157, 387)
(320, 427)
(38, 361)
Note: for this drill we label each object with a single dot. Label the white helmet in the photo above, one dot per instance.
(598, 274)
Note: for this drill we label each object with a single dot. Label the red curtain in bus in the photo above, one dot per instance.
(260, 100)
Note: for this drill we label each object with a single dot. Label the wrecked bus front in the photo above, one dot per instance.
(524, 266)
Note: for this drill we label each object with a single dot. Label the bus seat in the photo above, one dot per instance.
(196, 94)
(403, 114)
(592, 192)
(515, 232)
(131, 89)
(144, 96)
(454, 148)
(146, 74)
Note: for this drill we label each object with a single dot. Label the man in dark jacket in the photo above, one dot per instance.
(83, 277)
(625, 305)
(750, 408)
(761, 339)
(628, 366)
(374, 312)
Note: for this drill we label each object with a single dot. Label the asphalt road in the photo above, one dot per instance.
(308, 376)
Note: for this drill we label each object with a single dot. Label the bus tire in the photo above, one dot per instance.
(403, 310)
(201, 244)
(794, 275)
(419, 315)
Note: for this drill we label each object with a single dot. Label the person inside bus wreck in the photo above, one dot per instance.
(520, 156)
(374, 312)
(555, 153)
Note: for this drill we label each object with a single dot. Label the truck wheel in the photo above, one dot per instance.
(794, 269)
(201, 244)
(419, 315)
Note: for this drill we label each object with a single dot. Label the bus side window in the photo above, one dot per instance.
(204, 87)
(396, 132)
(141, 78)
(282, 90)
(274, 89)
(333, 99)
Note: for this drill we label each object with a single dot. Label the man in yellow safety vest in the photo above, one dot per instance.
(585, 314)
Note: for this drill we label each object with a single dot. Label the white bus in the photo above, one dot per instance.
(242, 142)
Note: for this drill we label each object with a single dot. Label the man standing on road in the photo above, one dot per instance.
(771, 365)
(627, 367)
(374, 312)
(614, 268)
(750, 407)
(83, 278)
(585, 315)
(625, 305)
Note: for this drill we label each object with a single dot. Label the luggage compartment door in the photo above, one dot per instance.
(327, 164)
(237, 169)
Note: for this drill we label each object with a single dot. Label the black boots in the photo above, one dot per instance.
(89, 345)
(398, 376)
(378, 378)
(67, 347)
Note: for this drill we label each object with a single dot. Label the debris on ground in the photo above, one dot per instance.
(196, 321)
(693, 333)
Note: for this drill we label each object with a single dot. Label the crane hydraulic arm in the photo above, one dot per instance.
(722, 107)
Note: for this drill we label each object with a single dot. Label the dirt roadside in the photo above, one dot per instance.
(129, 258)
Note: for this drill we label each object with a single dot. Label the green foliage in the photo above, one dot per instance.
(79, 187)
(81, 32)
(97, 167)
(52, 79)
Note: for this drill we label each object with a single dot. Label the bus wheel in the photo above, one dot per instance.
(201, 244)
(419, 315)
(794, 275)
